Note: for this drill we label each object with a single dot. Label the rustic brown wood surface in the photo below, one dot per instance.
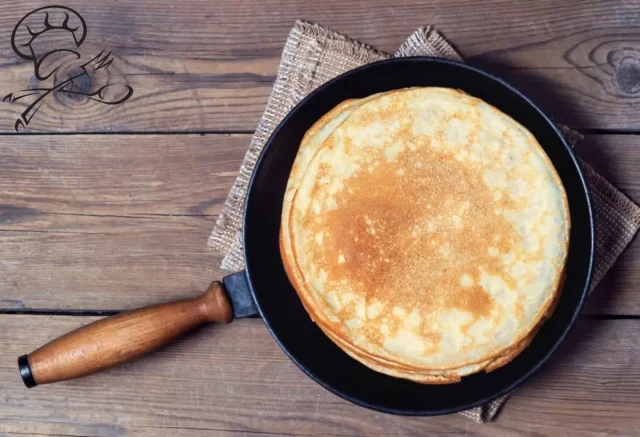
(235, 378)
(123, 175)
(119, 217)
(209, 66)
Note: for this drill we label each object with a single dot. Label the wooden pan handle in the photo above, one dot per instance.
(121, 338)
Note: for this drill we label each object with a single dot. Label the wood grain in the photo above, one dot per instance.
(209, 66)
(95, 222)
(77, 262)
(129, 175)
(111, 222)
(197, 387)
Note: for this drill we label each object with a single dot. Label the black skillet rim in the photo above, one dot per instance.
(541, 361)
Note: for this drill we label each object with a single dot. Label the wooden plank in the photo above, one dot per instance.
(70, 262)
(196, 388)
(116, 175)
(210, 65)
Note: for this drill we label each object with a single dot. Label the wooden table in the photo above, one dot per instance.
(108, 207)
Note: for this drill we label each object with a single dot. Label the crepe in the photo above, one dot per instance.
(425, 232)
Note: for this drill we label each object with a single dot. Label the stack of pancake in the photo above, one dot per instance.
(425, 232)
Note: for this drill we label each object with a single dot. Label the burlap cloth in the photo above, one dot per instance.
(313, 55)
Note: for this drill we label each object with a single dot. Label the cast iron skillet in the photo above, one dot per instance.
(264, 288)
(280, 306)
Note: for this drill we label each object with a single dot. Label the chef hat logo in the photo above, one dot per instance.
(51, 37)
(46, 33)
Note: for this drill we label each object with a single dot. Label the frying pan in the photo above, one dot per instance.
(264, 289)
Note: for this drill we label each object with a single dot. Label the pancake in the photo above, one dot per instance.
(425, 232)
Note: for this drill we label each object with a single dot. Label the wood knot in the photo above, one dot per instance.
(627, 74)
(613, 63)
(79, 87)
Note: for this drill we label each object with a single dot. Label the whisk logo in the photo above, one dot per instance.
(51, 38)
